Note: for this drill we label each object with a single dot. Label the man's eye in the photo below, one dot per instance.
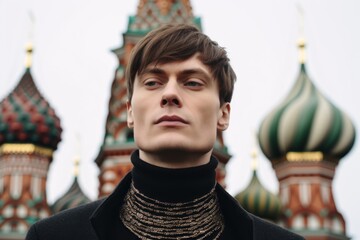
(152, 83)
(193, 84)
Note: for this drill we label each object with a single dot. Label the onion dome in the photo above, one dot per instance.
(74, 197)
(307, 122)
(26, 116)
(259, 201)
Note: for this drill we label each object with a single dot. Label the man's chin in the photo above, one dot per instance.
(167, 149)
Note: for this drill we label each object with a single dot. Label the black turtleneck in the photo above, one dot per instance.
(171, 185)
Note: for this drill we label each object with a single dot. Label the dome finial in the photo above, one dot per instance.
(74, 197)
(301, 41)
(254, 155)
(29, 45)
(29, 51)
(77, 156)
(255, 198)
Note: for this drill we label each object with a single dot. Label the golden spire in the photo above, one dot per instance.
(254, 155)
(29, 51)
(29, 45)
(77, 157)
(301, 41)
(76, 166)
(302, 55)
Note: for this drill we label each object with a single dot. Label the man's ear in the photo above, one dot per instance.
(224, 117)
(130, 119)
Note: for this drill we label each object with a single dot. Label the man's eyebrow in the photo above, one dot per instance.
(153, 70)
(183, 73)
(197, 71)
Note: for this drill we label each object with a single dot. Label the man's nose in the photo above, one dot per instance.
(171, 95)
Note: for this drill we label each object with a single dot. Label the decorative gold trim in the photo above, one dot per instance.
(302, 54)
(304, 156)
(254, 154)
(10, 148)
(254, 161)
(29, 51)
(77, 157)
(76, 166)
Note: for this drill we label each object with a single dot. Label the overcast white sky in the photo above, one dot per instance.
(73, 68)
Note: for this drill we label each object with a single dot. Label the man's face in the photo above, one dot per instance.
(175, 106)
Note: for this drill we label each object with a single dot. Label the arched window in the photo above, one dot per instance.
(325, 193)
(298, 222)
(36, 187)
(284, 195)
(305, 194)
(109, 175)
(313, 222)
(337, 226)
(16, 186)
(1, 184)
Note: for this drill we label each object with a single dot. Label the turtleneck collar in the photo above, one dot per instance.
(173, 185)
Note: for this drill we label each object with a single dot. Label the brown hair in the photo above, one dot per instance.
(180, 42)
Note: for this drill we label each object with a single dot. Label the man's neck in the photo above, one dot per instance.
(175, 159)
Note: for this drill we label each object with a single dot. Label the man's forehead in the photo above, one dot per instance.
(161, 60)
(189, 65)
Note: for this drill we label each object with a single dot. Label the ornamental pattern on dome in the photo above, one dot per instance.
(306, 121)
(74, 197)
(259, 201)
(152, 14)
(26, 117)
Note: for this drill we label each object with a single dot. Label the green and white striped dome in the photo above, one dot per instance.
(259, 201)
(306, 121)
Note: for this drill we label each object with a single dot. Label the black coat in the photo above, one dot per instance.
(99, 220)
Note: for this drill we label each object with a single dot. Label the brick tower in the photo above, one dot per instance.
(29, 133)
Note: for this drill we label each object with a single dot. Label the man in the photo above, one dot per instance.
(180, 85)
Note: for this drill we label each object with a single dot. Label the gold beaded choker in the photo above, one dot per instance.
(151, 219)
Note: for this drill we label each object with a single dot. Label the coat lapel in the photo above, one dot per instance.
(237, 219)
(105, 219)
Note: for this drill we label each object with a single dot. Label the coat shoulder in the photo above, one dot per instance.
(68, 224)
(267, 230)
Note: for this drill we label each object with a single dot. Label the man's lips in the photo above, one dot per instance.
(172, 118)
